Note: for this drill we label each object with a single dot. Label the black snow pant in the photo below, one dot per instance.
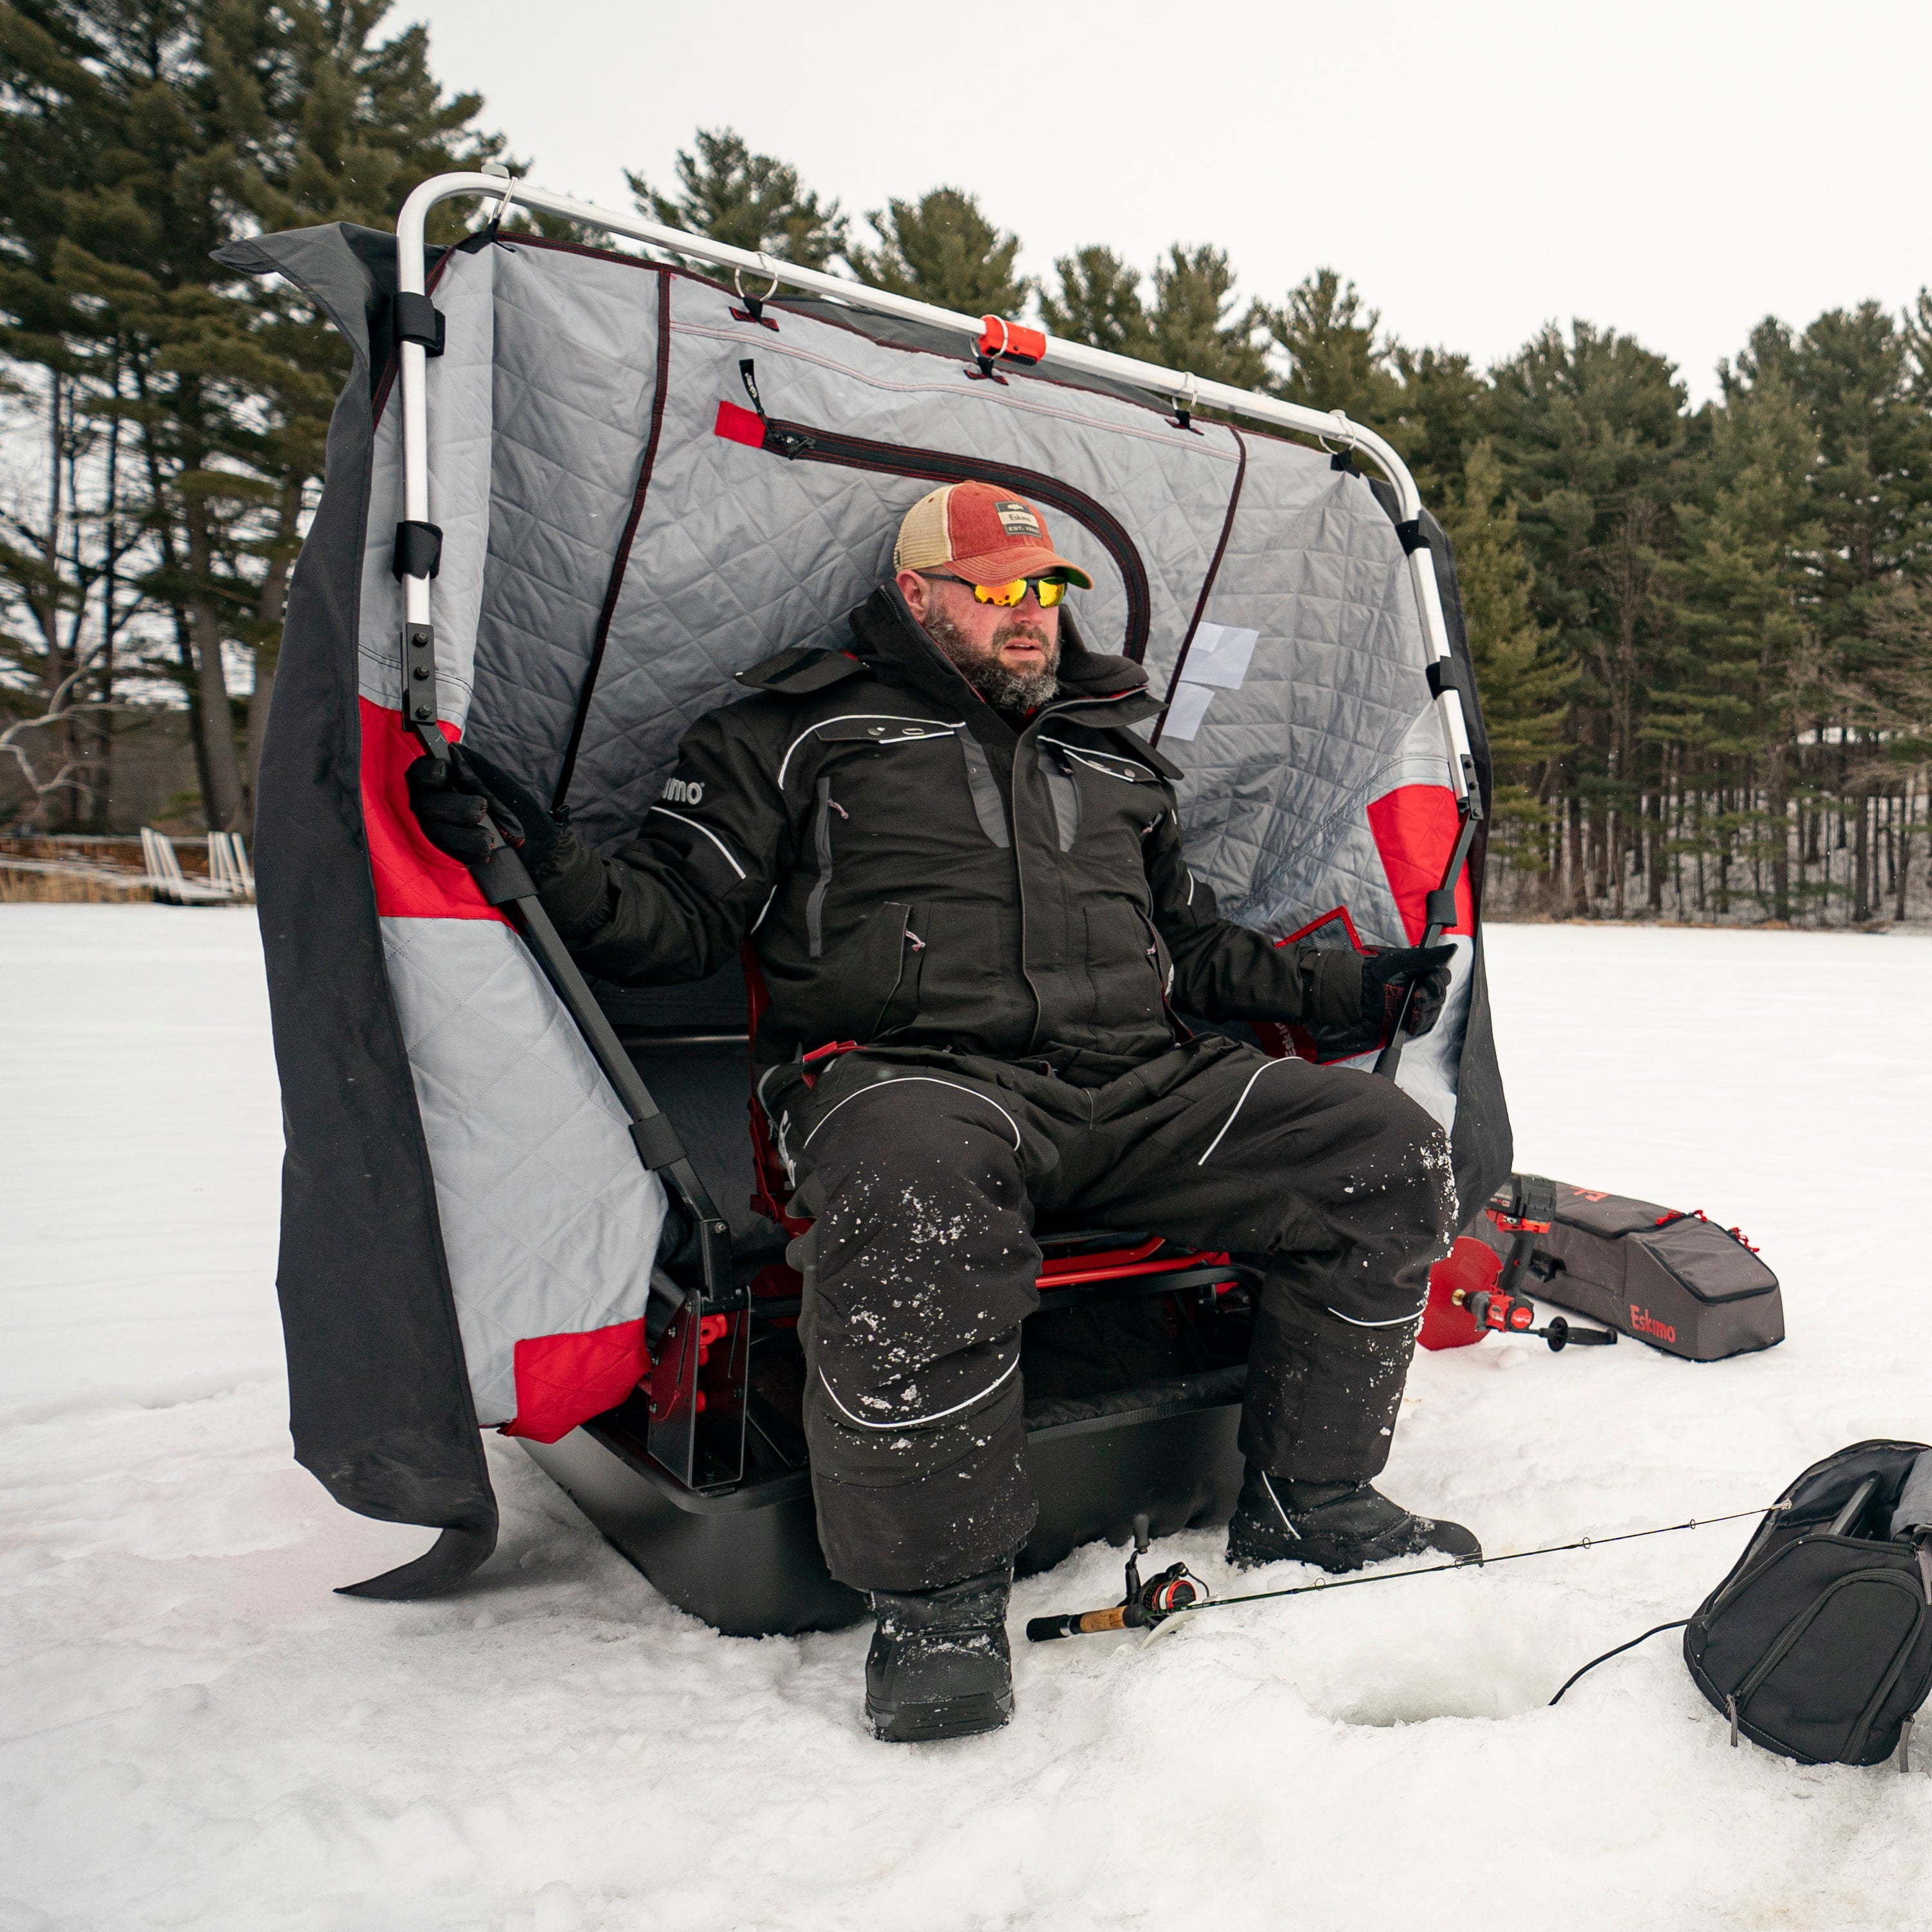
(921, 1172)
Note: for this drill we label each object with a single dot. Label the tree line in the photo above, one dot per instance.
(1702, 636)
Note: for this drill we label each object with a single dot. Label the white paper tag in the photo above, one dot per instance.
(1220, 655)
(1185, 714)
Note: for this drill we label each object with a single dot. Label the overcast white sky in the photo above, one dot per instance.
(1675, 171)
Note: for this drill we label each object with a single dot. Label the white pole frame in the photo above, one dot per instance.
(1186, 389)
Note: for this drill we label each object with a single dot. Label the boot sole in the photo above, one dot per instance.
(1331, 1558)
(968, 1717)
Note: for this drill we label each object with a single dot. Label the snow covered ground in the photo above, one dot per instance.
(198, 1733)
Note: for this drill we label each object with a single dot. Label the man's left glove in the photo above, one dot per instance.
(1385, 975)
(454, 797)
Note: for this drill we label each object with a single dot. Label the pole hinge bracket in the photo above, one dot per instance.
(419, 676)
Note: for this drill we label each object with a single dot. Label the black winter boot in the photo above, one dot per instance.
(1337, 1525)
(939, 1665)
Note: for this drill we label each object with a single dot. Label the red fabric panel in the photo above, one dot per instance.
(1415, 827)
(413, 880)
(737, 425)
(563, 1380)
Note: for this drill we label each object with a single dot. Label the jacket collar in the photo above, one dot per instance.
(891, 641)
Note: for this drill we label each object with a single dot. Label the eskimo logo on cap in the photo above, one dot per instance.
(1017, 519)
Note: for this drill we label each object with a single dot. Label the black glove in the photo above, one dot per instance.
(454, 798)
(1385, 975)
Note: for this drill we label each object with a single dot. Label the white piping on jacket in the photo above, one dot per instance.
(853, 717)
(928, 1079)
(1237, 1108)
(923, 1421)
(709, 833)
(1396, 1322)
(1092, 758)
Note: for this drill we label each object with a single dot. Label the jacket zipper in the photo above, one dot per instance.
(800, 443)
(814, 906)
(1059, 708)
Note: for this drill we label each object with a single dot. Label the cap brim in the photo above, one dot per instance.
(1006, 565)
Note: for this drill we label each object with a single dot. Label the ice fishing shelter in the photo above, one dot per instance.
(570, 493)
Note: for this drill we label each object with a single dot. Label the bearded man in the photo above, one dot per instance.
(963, 876)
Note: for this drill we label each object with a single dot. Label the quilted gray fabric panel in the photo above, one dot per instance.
(1315, 567)
(549, 1222)
(576, 373)
(739, 553)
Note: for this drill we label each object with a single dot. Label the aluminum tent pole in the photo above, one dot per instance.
(1333, 427)
(506, 884)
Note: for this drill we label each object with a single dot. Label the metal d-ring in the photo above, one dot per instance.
(754, 303)
(503, 206)
(1350, 444)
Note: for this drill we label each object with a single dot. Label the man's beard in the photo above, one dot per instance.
(1002, 687)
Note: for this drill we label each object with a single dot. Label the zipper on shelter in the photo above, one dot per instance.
(800, 442)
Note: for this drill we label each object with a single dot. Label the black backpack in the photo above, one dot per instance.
(1818, 1645)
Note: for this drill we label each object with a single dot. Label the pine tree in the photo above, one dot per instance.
(1596, 450)
(1099, 303)
(1521, 685)
(107, 215)
(1335, 360)
(1871, 497)
(1435, 415)
(194, 118)
(329, 123)
(943, 249)
(1732, 700)
(1191, 326)
(749, 201)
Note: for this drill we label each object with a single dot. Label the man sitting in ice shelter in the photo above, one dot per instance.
(947, 848)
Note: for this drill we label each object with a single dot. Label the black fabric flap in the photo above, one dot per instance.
(800, 671)
(1712, 1265)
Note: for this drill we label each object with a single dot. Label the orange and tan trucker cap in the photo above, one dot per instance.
(985, 534)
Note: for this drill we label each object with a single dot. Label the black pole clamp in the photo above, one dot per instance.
(418, 320)
(418, 549)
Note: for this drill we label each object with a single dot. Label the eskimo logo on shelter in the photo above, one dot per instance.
(684, 791)
(1644, 1323)
(1017, 519)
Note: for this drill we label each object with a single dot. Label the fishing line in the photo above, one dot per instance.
(1153, 1616)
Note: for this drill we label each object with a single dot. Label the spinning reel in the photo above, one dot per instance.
(1146, 1603)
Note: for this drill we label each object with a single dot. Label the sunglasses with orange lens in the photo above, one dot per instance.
(1008, 596)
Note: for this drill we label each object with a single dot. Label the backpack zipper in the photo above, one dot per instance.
(1788, 1638)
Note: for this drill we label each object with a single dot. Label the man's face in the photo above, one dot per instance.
(1022, 642)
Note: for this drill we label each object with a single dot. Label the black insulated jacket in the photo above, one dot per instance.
(913, 872)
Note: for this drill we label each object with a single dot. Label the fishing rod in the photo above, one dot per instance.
(1177, 1591)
